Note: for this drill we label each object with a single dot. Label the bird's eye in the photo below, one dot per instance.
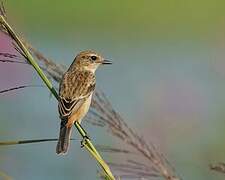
(93, 58)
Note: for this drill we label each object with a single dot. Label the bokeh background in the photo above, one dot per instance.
(167, 81)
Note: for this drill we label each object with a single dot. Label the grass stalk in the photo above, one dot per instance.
(87, 142)
(7, 143)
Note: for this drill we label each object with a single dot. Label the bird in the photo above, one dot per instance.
(75, 94)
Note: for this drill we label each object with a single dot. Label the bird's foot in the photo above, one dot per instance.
(84, 141)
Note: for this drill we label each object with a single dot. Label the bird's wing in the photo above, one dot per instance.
(74, 95)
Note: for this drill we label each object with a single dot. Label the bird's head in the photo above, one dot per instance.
(89, 60)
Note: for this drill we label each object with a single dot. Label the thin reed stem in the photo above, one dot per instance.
(18, 87)
(6, 143)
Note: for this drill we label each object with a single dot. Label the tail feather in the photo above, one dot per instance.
(64, 140)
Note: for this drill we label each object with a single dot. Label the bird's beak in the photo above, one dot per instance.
(106, 62)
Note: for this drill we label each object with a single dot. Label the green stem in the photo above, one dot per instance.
(87, 144)
(90, 147)
(6, 143)
(29, 57)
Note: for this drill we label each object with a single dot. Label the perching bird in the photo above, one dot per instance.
(75, 94)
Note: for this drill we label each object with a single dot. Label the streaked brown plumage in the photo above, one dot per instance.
(75, 92)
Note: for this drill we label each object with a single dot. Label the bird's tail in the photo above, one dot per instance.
(64, 140)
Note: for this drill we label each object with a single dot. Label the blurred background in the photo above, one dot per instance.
(167, 80)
